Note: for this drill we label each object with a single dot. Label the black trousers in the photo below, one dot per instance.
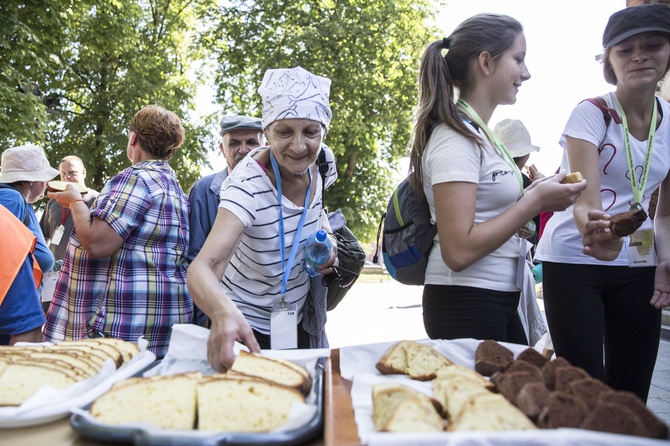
(595, 311)
(264, 340)
(452, 312)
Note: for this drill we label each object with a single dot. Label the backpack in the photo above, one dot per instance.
(407, 236)
(350, 254)
(608, 113)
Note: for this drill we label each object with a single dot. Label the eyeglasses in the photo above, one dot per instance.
(342, 276)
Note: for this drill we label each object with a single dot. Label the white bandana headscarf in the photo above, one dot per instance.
(294, 93)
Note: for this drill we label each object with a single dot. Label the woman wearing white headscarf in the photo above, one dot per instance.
(249, 277)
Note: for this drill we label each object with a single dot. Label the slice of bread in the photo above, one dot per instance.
(94, 348)
(492, 357)
(419, 361)
(388, 395)
(414, 415)
(455, 392)
(60, 186)
(234, 404)
(574, 177)
(460, 371)
(490, 412)
(394, 360)
(625, 223)
(279, 371)
(424, 362)
(127, 349)
(168, 402)
(22, 379)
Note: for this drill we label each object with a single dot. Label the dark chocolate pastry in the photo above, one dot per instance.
(625, 223)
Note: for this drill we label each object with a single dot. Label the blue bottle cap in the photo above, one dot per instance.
(321, 235)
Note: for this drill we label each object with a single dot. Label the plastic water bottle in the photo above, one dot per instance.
(317, 250)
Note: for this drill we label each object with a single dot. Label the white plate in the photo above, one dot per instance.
(12, 417)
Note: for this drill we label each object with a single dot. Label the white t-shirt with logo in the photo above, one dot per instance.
(561, 242)
(451, 157)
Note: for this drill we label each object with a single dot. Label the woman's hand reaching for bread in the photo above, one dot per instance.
(599, 242)
(228, 326)
(661, 297)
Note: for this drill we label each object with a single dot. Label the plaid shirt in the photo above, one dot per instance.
(141, 289)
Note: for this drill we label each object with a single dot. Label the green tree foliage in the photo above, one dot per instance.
(369, 49)
(31, 32)
(108, 60)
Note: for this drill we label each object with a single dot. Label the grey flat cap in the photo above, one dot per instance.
(230, 123)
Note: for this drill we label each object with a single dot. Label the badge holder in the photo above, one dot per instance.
(58, 235)
(283, 325)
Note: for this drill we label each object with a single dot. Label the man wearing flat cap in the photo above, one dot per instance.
(239, 136)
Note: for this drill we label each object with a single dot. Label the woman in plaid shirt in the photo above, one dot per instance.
(124, 272)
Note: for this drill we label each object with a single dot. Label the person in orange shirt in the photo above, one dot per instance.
(21, 315)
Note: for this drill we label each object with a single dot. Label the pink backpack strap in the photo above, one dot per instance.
(608, 113)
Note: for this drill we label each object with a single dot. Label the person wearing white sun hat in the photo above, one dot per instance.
(24, 173)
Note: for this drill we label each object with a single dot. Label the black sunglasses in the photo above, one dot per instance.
(342, 276)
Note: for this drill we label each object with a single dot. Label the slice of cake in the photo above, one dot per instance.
(491, 357)
(394, 360)
(230, 404)
(424, 362)
(386, 397)
(168, 402)
(279, 371)
(562, 410)
(490, 412)
(414, 415)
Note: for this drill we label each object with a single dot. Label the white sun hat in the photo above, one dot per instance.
(25, 163)
(515, 136)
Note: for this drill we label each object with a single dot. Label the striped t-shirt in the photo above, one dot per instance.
(254, 275)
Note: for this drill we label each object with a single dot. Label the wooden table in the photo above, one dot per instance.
(340, 427)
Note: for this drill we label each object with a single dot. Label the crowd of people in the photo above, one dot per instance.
(141, 255)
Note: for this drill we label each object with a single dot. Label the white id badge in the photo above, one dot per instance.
(283, 325)
(58, 235)
(640, 247)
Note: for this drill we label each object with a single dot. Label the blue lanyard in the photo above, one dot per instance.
(296, 240)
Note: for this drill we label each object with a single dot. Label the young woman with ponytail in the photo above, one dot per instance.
(472, 185)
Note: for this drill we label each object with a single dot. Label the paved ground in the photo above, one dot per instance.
(378, 309)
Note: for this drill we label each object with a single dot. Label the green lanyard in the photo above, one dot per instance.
(638, 189)
(497, 143)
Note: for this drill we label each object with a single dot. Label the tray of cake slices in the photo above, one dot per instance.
(472, 392)
(40, 383)
(272, 397)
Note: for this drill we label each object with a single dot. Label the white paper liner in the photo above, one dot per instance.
(50, 404)
(187, 352)
(358, 364)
